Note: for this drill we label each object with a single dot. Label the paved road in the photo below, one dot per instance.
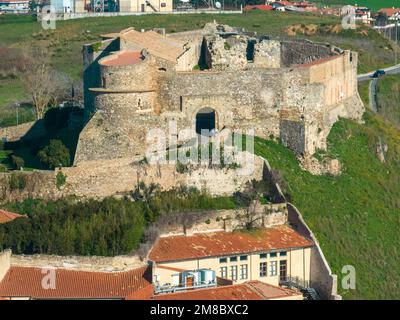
(390, 70)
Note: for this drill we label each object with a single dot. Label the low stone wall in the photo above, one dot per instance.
(99, 179)
(269, 215)
(37, 184)
(28, 130)
(81, 263)
(321, 276)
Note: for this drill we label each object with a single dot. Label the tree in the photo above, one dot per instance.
(44, 84)
(55, 154)
(249, 200)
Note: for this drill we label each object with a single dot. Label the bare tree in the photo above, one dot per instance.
(43, 83)
(249, 200)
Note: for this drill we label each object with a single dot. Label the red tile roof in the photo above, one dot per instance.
(252, 290)
(122, 58)
(71, 284)
(226, 243)
(7, 216)
(389, 11)
(262, 7)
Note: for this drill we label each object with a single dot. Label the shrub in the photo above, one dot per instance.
(55, 154)
(61, 178)
(17, 162)
(17, 181)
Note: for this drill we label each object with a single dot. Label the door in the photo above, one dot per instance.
(282, 270)
(189, 281)
(142, 7)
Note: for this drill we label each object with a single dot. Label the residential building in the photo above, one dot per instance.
(391, 13)
(270, 255)
(14, 6)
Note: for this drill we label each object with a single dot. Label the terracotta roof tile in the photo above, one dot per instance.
(226, 243)
(7, 216)
(122, 58)
(27, 282)
(253, 290)
(158, 45)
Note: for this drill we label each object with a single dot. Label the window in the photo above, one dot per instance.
(243, 271)
(263, 256)
(263, 269)
(282, 254)
(272, 254)
(233, 259)
(223, 272)
(163, 4)
(223, 260)
(273, 268)
(243, 258)
(283, 270)
(234, 273)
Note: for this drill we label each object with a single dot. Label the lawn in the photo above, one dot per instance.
(64, 44)
(355, 216)
(374, 5)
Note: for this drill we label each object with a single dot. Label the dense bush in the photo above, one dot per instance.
(55, 154)
(107, 227)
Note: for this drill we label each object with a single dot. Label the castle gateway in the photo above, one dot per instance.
(215, 78)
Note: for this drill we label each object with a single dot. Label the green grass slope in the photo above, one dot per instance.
(355, 216)
(388, 98)
(372, 4)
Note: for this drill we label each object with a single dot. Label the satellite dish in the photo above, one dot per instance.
(218, 5)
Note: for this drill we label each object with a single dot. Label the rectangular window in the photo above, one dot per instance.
(243, 258)
(273, 268)
(234, 273)
(272, 254)
(263, 269)
(263, 256)
(282, 254)
(223, 272)
(243, 271)
(233, 259)
(163, 4)
(223, 260)
(283, 270)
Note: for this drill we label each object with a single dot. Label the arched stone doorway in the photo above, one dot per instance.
(206, 119)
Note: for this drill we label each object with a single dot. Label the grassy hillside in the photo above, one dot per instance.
(64, 44)
(388, 98)
(372, 4)
(356, 215)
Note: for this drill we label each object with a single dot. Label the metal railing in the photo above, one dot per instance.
(183, 286)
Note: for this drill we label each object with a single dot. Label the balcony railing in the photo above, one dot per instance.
(182, 287)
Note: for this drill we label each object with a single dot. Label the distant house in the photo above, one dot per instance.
(363, 14)
(299, 6)
(14, 6)
(7, 216)
(391, 13)
(261, 7)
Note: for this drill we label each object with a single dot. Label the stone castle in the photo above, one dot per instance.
(217, 78)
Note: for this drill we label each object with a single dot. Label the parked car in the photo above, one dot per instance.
(378, 73)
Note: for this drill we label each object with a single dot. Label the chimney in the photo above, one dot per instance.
(5, 262)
